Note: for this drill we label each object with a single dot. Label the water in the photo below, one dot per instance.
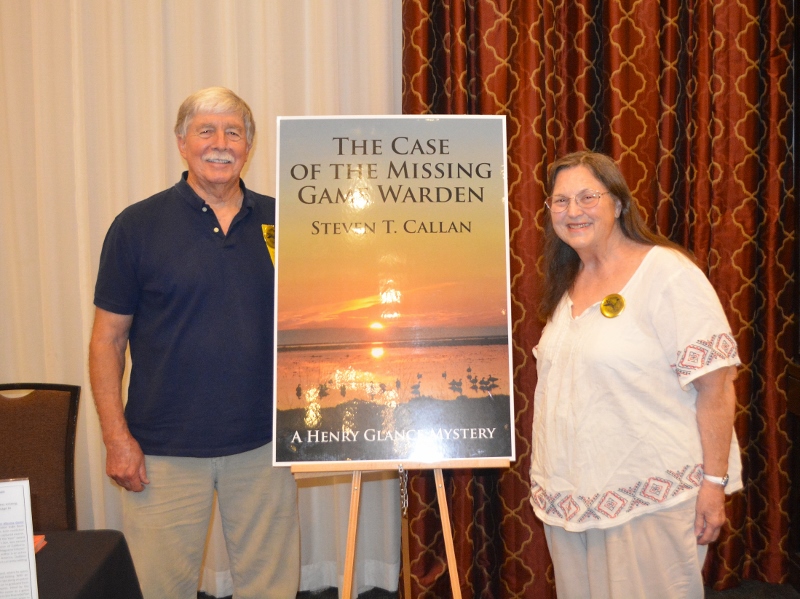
(389, 375)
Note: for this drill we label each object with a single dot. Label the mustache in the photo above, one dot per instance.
(218, 156)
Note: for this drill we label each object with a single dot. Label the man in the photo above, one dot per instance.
(187, 279)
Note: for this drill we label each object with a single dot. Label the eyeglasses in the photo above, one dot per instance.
(585, 199)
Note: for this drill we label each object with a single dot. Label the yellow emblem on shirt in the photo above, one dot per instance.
(269, 239)
(612, 305)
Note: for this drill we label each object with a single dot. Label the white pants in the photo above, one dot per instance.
(167, 523)
(654, 556)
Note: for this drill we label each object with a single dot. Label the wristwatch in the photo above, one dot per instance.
(717, 480)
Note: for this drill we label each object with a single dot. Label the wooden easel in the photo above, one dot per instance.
(355, 496)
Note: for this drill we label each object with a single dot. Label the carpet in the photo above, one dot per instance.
(749, 589)
(329, 593)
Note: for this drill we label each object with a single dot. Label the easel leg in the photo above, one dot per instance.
(448, 534)
(406, 557)
(352, 529)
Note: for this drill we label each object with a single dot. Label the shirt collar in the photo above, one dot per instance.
(196, 202)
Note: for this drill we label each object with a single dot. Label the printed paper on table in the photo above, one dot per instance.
(17, 555)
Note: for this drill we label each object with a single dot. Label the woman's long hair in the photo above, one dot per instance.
(561, 262)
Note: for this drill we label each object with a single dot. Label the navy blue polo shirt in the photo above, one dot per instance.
(201, 340)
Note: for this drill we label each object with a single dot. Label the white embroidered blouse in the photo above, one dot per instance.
(615, 432)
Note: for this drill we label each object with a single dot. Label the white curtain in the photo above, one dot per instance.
(89, 90)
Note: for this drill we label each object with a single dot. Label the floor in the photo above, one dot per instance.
(747, 590)
(330, 593)
(750, 589)
(333, 593)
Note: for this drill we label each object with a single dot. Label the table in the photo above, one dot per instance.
(86, 564)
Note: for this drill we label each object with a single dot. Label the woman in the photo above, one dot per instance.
(633, 444)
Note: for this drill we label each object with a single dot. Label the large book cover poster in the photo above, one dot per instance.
(392, 299)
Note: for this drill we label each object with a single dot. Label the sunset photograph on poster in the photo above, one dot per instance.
(392, 293)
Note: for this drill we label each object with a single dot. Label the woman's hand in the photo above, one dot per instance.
(709, 512)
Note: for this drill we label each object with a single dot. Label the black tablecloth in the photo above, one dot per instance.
(86, 564)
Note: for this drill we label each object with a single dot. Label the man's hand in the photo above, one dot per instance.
(709, 512)
(125, 464)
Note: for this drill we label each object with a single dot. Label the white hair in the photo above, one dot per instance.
(215, 100)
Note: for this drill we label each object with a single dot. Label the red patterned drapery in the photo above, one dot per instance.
(695, 101)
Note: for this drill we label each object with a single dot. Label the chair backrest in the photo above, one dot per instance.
(37, 442)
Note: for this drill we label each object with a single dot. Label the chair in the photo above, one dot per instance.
(37, 442)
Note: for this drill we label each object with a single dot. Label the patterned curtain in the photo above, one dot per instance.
(694, 99)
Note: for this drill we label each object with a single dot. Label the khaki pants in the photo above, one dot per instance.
(654, 556)
(167, 523)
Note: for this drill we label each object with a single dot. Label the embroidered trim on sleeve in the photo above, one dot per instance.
(610, 504)
(703, 352)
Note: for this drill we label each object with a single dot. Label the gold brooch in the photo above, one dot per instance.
(612, 305)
